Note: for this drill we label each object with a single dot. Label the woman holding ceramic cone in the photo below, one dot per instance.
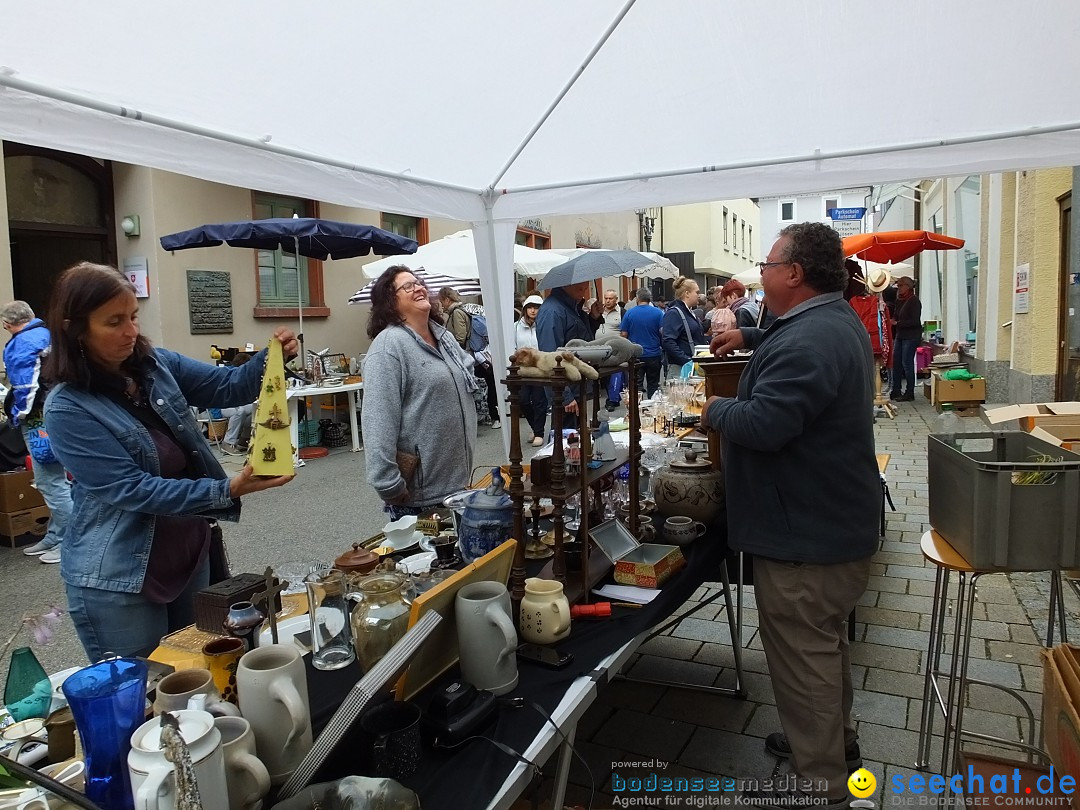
(145, 480)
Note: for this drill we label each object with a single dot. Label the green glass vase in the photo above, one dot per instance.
(28, 692)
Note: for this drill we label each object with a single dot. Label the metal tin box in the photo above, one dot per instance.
(646, 565)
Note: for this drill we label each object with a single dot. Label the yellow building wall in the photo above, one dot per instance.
(1037, 240)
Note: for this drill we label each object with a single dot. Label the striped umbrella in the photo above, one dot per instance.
(433, 281)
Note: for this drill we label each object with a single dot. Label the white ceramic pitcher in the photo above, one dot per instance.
(487, 641)
(153, 782)
(272, 687)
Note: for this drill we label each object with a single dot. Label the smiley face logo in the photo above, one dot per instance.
(862, 783)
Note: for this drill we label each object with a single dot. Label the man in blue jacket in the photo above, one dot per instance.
(560, 319)
(799, 456)
(22, 359)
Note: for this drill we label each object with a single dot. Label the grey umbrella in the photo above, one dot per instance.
(593, 265)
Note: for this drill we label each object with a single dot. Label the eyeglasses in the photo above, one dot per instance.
(762, 265)
(409, 286)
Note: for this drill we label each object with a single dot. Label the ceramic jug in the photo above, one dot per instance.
(272, 687)
(380, 616)
(248, 779)
(153, 778)
(545, 612)
(690, 488)
(487, 641)
(488, 520)
(682, 531)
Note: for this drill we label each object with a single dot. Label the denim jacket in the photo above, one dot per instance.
(117, 489)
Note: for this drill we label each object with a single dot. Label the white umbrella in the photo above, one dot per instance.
(433, 282)
(661, 267)
(455, 256)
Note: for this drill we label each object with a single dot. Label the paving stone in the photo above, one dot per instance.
(898, 637)
(888, 584)
(1023, 634)
(888, 745)
(920, 587)
(880, 708)
(879, 656)
(869, 598)
(714, 711)
(1033, 678)
(669, 647)
(901, 558)
(894, 683)
(764, 722)
(701, 630)
(995, 700)
(888, 618)
(997, 595)
(721, 752)
(1015, 653)
(666, 738)
(759, 688)
(917, 605)
(721, 655)
(622, 693)
(992, 630)
(911, 572)
(670, 670)
(976, 720)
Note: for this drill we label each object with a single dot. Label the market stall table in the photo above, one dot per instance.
(294, 394)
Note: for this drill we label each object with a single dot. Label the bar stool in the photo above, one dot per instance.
(947, 560)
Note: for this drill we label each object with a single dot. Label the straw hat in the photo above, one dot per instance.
(877, 279)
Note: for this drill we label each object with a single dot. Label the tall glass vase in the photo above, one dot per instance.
(27, 692)
(108, 701)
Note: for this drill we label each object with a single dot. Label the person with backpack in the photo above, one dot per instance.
(23, 356)
(469, 328)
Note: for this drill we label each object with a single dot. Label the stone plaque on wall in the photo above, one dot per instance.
(210, 302)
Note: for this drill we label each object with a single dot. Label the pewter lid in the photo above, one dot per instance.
(691, 463)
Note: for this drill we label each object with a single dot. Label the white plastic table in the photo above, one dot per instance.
(294, 395)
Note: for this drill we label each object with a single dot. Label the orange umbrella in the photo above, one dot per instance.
(895, 246)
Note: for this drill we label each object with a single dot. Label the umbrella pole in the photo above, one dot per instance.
(300, 304)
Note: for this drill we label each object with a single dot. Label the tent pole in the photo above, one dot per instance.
(299, 302)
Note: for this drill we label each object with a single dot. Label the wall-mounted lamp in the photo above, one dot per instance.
(130, 225)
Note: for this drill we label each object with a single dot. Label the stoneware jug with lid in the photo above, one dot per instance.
(153, 776)
(689, 487)
(544, 617)
(488, 519)
(487, 640)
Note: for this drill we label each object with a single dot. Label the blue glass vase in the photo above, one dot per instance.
(108, 701)
(27, 692)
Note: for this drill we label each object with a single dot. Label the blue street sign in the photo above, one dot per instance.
(846, 213)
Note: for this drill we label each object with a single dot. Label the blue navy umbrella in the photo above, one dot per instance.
(306, 236)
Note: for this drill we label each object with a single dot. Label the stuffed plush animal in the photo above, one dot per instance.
(534, 363)
(621, 348)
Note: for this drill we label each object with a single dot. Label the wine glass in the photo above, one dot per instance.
(294, 572)
(573, 504)
(652, 459)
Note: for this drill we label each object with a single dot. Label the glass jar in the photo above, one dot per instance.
(380, 616)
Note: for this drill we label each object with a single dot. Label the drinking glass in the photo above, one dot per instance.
(294, 572)
(573, 504)
(331, 634)
(653, 458)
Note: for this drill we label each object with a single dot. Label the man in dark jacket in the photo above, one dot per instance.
(799, 457)
(560, 319)
(907, 331)
(23, 356)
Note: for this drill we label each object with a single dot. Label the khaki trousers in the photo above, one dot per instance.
(802, 615)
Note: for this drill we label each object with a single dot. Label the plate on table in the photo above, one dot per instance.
(417, 563)
(405, 545)
(287, 630)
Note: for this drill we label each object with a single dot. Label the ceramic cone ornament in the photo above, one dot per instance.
(271, 450)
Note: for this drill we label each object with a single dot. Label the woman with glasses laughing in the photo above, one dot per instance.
(419, 419)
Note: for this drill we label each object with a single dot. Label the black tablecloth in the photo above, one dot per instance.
(470, 775)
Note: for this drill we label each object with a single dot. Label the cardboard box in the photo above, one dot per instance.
(956, 390)
(18, 527)
(1060, 719)
(17, 492)
(1054, 422)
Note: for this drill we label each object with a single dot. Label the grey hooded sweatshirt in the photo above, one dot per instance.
(418, 400)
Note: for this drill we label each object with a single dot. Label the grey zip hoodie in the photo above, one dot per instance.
(418, 400)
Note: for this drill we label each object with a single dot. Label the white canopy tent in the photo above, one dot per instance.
(589, 107)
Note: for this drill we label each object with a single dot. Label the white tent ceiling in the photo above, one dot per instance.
(487, 111)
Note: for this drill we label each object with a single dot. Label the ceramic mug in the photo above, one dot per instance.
(487, 641)
(22, 734)
(248, 779)
(221, 657)
(395, 728)
(153, 781)
(681, 531)
(176, 690)
(272, 686)
(544, 617)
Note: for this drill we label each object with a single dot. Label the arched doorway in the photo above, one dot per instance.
(59, 213)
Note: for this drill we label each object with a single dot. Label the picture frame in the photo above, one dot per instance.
(335, 364)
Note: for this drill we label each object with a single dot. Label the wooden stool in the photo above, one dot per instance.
(947, 560)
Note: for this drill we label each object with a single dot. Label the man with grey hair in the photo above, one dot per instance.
(22, 359)
(803, 407)
(641, 325)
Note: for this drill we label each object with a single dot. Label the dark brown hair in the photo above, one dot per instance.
(384, 309)
(79, 291)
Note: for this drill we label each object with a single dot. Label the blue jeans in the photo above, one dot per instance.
(126, 623)
(239, 419)
(904, 365)
(51, 481)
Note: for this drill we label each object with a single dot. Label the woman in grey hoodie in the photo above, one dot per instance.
(419, 419)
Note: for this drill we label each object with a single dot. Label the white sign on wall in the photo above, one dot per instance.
(847, 227)
(1022, 294)
(136, 272)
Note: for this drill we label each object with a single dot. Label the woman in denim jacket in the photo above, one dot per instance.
(120, 421)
